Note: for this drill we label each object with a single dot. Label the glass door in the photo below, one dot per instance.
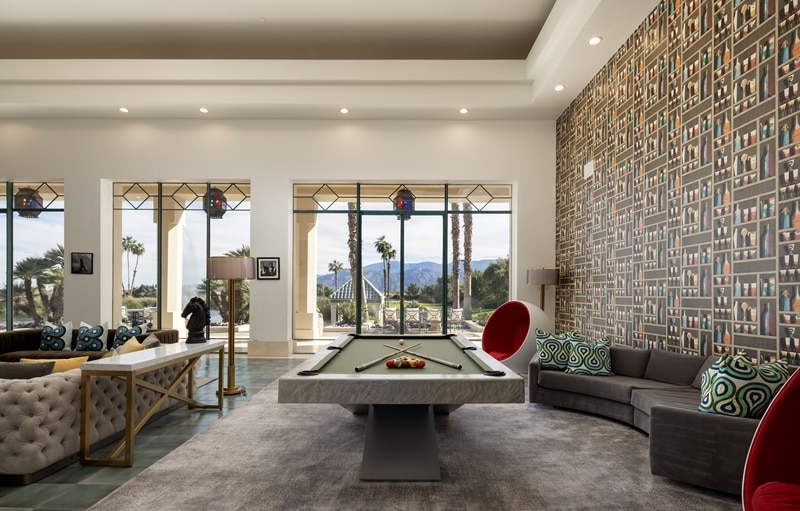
(402, 267)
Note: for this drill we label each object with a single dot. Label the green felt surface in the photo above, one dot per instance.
(361, 350)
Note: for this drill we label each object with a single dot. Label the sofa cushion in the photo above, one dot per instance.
(56, 337)
(61, 365)
(677, 397)
(553, 350)
(590, 358)
(627, 361)
(91, 337)
(675, 368)
(739, 387)
(131, 346)
(698, 379)
(125, 332)
(15, 370)
(614, 388)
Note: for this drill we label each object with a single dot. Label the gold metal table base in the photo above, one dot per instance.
(132, 426)
(235, 391)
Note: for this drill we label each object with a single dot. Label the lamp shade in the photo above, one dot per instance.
(543, 276)
(231, 268)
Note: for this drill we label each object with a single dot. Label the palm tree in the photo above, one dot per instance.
(455, 235)
(383, 247)
(127, 247)
(27, 270)
(467, 260)
(335, 267)
(136, 249)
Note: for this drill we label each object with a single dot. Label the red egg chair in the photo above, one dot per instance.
(772, 471)
(510, 333)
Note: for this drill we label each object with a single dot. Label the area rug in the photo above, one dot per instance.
(265, 455)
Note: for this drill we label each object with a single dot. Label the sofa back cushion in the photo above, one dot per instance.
(698, 379)
(627, 361)
(15, 370)
(674, 368)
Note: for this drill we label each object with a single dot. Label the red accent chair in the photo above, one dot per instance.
(771, 473)
(510, 334)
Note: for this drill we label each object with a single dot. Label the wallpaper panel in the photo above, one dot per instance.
(687, 236)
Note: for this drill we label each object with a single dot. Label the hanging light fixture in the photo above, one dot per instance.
(403, 203)
(28, 203)
(215, 202)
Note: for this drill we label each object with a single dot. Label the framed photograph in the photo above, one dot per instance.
(82, 263)
(268, 268)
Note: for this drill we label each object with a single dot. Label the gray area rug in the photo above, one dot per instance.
(267, 455)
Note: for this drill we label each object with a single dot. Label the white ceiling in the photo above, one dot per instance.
(304, 59)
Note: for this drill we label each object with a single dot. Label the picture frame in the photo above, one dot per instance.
(82, 263)
(268, 268)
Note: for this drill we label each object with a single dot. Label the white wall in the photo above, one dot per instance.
(88, 155)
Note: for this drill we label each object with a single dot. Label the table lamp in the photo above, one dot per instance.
(543, 277)
(231, 269)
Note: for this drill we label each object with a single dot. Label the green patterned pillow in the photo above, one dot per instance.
(91, 337)
(590, 358)
(553, 350)
(56, 337)
(735, 385)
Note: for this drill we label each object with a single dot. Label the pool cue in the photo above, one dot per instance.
(377, 360)
(426, 357)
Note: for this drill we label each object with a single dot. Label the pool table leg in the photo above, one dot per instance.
(400, 444)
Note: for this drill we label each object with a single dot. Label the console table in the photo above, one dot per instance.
(129, 367)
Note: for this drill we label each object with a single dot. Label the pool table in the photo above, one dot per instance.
(401, 402)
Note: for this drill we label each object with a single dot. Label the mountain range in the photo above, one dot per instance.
(423, 274)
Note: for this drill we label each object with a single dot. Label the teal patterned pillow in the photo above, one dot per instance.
(590, 358)
(124, 333)
(91, 337)
(735, 385)
(56, 337)
(553, 350)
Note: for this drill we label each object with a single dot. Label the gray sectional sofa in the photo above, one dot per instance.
(658, 392)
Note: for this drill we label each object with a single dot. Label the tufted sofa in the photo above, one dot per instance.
(24, 343)
(40, 418)
(658, 392)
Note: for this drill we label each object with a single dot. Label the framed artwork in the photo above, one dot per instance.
(269, 268)
(82, 262)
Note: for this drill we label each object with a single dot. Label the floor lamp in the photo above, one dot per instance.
(231, 269)
(543, 277)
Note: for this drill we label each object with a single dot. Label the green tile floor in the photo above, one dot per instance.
(77, 487)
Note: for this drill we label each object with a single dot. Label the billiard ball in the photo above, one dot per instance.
(390, 363)
(420, 364)
(401, 342)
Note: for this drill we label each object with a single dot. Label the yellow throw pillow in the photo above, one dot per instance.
(62, 364)
(130, 346)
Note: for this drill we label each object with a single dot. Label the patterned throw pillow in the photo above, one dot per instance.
(56, 337)
(735, 385)
(590, 358)
(124, 333)
(91, 337)
(553, 350)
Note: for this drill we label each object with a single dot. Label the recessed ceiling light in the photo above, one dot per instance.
(344, 110)
(203, 110)
(123, 110)
(595, 40)
(558, 88)
(463, 111)
(262, 20)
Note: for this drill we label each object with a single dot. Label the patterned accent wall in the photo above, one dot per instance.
(687, 236)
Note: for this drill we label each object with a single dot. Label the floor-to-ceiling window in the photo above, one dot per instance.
(32, 238)
(166, 233)
(402, 242)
